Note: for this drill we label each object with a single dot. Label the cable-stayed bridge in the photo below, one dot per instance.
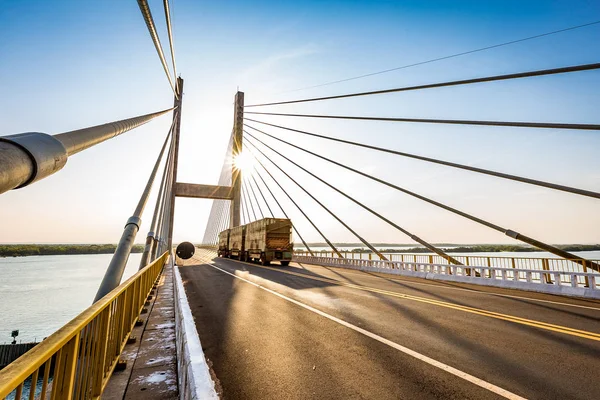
(334, 323)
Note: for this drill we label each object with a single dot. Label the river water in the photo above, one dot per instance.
(39, 294)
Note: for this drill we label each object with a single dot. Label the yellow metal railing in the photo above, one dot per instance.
(77, 361)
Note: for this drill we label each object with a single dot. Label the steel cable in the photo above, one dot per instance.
(145, 9)
(515, 124)
(404, 231)
(446, 57)
(170, 33)
(263, 197)
(507, 232)
(280, 207)
(247, 184)
(549, 185)
(249, 200)
(294, 202)
(529, 74)
(373, 249)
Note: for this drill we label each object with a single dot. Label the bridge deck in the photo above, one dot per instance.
(320, 332)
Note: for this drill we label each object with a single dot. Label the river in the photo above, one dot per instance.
(39, 294)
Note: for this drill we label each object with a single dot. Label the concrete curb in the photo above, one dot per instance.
(195, 382)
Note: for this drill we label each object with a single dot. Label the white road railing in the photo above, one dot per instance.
(584, 284)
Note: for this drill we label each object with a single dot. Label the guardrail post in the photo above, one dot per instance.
(557, 278)
(102, 350)
(584, 265)
(64, 372)
(546, 267)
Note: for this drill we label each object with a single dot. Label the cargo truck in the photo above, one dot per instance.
(237, 236)
(224, 243)
(269, 239)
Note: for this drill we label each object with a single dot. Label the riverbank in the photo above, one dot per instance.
(452, 248)
(23, 250)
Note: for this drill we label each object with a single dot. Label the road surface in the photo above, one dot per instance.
(307, 331)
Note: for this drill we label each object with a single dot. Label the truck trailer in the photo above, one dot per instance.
(269, 239)
(224, 243)
(237, 236)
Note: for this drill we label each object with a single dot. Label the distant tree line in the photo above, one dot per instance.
(21, 250)
(487, 248)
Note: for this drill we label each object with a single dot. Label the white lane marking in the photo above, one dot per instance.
(363, 273)
(463, 375)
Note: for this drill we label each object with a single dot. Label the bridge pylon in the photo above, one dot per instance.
(236, 173)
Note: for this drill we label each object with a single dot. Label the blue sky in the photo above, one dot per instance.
(70, 64)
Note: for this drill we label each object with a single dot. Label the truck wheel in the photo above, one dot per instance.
(285, 263)
(263, 260)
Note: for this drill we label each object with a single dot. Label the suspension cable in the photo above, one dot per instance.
(517, 124)
(550, 185)
(263, 197)
(373, 249)
(246, 194)
(223, 222)
(145, 9)
(553, 71)
(218, 218)
(164, 200)
(148, 253)
(164, 222)
(151, 239)
(294, 202)
(280, 207)
(245, 208)
(446, 57)
(507, 232)
(407, 233)
(170, 33)
(255, 198)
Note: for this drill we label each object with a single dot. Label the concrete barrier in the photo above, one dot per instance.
(195, 382)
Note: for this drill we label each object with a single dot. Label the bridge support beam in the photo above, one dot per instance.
(197, 191)
(236, 174)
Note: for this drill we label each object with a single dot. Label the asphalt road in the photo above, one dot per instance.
(306, 331)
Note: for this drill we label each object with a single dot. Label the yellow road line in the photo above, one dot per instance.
(518, 320)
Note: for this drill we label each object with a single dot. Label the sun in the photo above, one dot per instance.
(243, 161)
